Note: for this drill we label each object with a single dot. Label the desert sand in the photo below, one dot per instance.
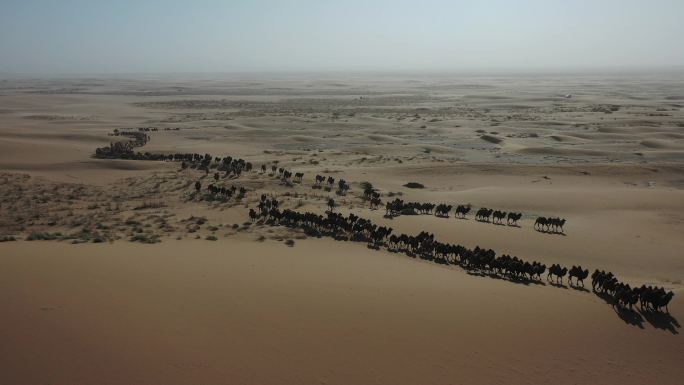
(144, 280)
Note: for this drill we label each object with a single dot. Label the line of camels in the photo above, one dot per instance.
(476, 261)
(479, 261)
(234, 167)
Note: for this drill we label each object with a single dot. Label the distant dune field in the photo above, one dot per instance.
(119, 271)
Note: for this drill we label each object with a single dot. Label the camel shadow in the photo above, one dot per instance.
(463, 218)
(477, 273)
(579, 288)
(519, 281)
(628, 316)
(514, 225)
(660, 320)
(558, 285)
(552, 232)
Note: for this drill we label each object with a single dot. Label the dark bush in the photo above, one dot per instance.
(414, 185)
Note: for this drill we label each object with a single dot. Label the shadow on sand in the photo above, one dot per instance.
(637, 316)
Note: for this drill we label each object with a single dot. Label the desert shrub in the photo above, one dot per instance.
(7, 238)
(143, 238)
(290, 242)
(150, 205)
(211, 238)
(39, 236)
(414, 185)
(491, 139)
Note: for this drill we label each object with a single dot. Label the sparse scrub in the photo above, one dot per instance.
(40, 236)
(144, 238)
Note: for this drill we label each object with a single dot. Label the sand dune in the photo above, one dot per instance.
(655, 143)
(218, 298)
(562, 151)
(151, 313)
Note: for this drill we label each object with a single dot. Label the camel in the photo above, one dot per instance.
(578, 273)
(342, 187)
(559, 272)
(462, 211)
(541, 224)
(513, 219)
(498, 216)
(558, 224)
(483, 214)
(253, 215)
(442, 210)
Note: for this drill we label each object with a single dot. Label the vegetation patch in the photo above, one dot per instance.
(40, 236)
(144, 238)
(414, 185)
(491, 139)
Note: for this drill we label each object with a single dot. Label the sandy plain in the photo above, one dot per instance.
(605, 152)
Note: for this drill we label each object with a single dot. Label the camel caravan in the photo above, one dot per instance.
(233, 168)
(549, 225)
(648, 297)
(223, 192)
(479, 261)
(497, 217)
(398, 207)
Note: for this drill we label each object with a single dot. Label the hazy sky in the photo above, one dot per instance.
(92, 36)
